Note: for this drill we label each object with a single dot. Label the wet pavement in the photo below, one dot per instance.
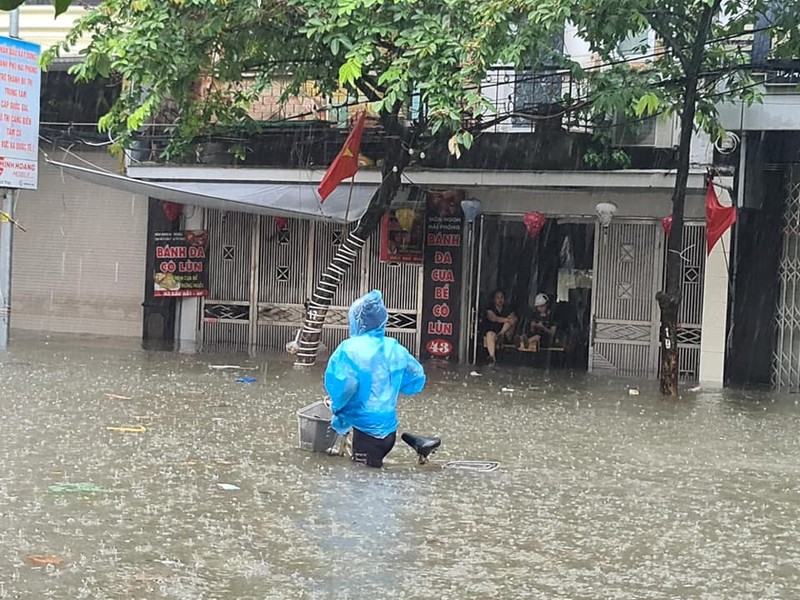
(600, 494)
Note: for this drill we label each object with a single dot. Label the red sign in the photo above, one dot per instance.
(442, 287)
(402, 233)
(181, 267)
(439, 348)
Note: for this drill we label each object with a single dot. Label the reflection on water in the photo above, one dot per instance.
(600, 494)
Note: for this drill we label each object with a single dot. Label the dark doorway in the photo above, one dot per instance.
(558, 263)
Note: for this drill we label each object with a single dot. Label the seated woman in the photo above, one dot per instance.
(542, 326)
(499, 325)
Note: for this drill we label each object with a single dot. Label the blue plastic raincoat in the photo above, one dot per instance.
(368, 371)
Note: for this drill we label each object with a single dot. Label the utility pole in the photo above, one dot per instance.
(7, 230)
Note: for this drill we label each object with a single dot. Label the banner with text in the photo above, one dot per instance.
(441, 303)
(402, 234)
(20, 81)
(181, 268)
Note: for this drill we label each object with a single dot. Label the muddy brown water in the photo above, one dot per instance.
(600, 494)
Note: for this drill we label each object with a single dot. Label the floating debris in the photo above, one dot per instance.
(696, 388)
(475, 374)
(473, 465)
(44, 560)
(507, 390)
(76, 488)
(232, 368)
(246, 380)
(169, 563)
(228, 487)
(124, 429)
(633, 391)
(118, 397)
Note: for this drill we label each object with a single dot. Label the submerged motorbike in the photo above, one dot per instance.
(425, 447)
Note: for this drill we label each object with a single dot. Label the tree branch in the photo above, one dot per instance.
(703, 31)
(662, 30)
(369, 87)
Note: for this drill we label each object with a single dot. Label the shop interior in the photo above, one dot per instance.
(557, 260)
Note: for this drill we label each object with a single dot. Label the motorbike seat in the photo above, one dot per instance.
(422, 445)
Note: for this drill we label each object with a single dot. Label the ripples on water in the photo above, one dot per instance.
(600, 494)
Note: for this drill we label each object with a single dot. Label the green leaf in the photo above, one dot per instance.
(61, 6)
(10, 4)
(105, 123)
(103, 65)
(350, 71)
(647, 105)
(377, 106)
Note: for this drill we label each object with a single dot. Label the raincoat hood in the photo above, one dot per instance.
(368, 314)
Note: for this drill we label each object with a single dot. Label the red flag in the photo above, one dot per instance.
(718, 217)
(346, 162)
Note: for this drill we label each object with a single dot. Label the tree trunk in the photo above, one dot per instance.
(346, 255)
(669, 300)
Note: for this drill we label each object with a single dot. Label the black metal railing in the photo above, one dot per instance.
(523, 99)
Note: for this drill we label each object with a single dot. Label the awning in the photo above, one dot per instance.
(294, 200)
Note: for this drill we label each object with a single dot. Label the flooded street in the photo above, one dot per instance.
(600, 494)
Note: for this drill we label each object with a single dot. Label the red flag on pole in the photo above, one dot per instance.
(718, 217)
(346, 162)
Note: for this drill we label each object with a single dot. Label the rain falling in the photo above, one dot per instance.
(130, 474)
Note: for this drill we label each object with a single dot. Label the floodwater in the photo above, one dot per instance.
(601, 494)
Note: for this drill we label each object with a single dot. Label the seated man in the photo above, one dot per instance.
(542, 326)
(499, 325)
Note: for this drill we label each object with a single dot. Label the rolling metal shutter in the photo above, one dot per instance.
(80, 266)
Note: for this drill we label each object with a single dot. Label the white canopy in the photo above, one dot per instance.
(285, 199)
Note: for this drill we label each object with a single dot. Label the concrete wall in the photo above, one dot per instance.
(715, 303)
(80, 266)
(644, 203)
(37, 25)
(778, 110)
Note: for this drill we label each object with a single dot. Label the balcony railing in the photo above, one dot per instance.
(524, 100)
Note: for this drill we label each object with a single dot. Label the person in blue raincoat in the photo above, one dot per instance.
(364, 377)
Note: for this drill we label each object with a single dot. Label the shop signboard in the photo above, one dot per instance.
(442, 267)
(181, 266)
(20, 80)
(402, 234)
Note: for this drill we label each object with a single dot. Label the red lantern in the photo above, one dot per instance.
(666, 223)
(282, 223)
(534, 223)
(171, 210)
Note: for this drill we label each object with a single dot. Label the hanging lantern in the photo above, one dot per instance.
(666, 223)
(282, 223)
(605, 212)
(406, 217)
(471, 207)
(171, 210)
(534, 223)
